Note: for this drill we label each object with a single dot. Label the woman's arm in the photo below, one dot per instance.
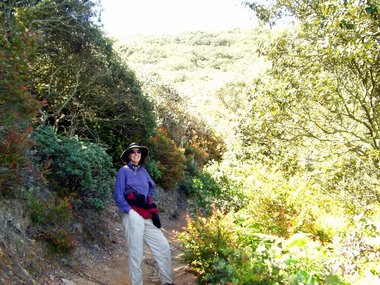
(120, 201)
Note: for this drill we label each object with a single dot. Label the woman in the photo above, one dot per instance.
(133, 195)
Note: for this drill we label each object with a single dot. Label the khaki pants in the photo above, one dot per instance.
(137, 231)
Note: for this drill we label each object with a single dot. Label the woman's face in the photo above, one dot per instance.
(135, 156)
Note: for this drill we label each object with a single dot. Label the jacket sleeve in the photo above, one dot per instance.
(120, 201)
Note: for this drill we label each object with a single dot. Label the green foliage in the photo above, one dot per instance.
(87, 90)
(51, 222)
(44, 214)
(266, 202)
(205, 191)
(207, 242)
(315, 109)
(208, 192)
(186, 185)
(80, 169)
(17, 105)
(278, 212)
(222, 254)
(153, 168)
(60, 241)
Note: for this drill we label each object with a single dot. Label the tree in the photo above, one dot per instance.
(88, 91)
(321, 94)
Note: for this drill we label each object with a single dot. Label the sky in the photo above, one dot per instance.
(123, 18)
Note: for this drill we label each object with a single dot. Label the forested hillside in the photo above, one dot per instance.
(210, 72)
(271, 136)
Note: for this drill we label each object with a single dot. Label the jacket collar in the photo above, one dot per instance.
(132, 166)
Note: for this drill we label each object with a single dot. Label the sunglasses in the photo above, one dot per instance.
(135, 151)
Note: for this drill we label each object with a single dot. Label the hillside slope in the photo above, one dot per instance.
(210, 71)
(24, 260)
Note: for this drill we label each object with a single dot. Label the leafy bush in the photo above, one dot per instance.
(51, 222)
(284, 231)
(266, 198)
(213, 247)
(229, 249)
(60, 241)
(80, 169)
(170, 159)
(153, 169)
(214, 188)
(207, 242)
(186, 185)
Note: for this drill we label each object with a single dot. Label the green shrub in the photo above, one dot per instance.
(51, 222)
(229, 249)
(43, 213)
(60, 241)
(186, 185)
(153, 169)
(205, 193)
(209, 190)
(223, 252)
(207, 242)
(285, 231)
(77, 168)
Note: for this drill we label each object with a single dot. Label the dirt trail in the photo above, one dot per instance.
(109, 266)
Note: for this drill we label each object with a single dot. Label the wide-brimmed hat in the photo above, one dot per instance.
(144, 152)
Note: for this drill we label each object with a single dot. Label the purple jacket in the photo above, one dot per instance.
(131, 179)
